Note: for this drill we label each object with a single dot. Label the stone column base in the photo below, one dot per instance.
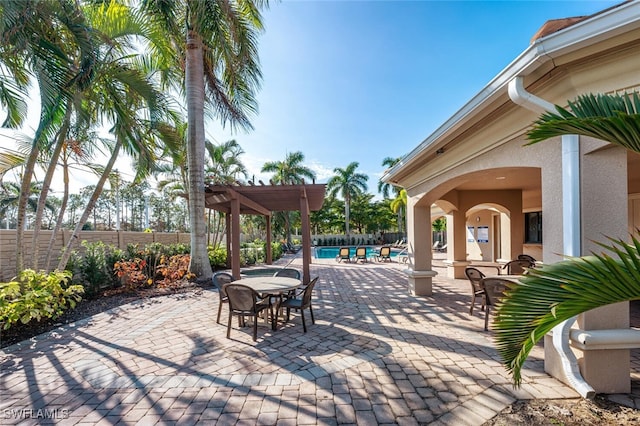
(420, 282)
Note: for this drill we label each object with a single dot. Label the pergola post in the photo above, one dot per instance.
(306, 237)
(268, 254)
(235, 238)
(227, 224)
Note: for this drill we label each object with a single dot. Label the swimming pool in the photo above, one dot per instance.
(332, 252)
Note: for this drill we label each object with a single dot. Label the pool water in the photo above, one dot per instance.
(332, 252)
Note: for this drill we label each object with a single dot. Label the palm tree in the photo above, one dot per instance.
(289, 171)
(225, 166)
(61, 61)
(216, 43)
(555, 293)
(349, 184)
(385, 188)
(398, 206)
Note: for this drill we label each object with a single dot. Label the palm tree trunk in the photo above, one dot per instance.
(346, 214)
(66, 254)
(46, 184)
(194, 87)
(25, 189)
(63, 207)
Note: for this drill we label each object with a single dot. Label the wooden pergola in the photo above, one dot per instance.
(263, 200)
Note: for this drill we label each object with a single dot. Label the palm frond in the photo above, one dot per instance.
(612, 118)
(548, 295)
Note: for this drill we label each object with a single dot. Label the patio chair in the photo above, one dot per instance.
(245, 302)
(287, 272)
(475, 277)
(384, 254)
(527, 257)
(219, 280)
(361, 254)
(300, 303)
(345, 254)
(494, 289)
(436, 245)
(517, 267)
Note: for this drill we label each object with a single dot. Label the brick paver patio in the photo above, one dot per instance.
(376, 355)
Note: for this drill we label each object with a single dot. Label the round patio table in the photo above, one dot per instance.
(270, 285)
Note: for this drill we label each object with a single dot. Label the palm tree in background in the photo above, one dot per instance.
(349, 184)
(215, 44)
(289, 172)
(385, 188)
(224, 165)
(398, 206)
(554, 293)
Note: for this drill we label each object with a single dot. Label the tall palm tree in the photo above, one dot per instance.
(289, 171)
(216, 43)
(61, 61)
(555, 293)
(349, 184)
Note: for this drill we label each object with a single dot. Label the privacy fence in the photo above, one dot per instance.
(119, 239)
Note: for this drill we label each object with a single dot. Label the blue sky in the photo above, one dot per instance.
(360, 81)
(363, 80)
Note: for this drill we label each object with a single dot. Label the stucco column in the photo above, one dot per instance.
(603, 205)
(604, 213)
(456, 244)
(420, 271)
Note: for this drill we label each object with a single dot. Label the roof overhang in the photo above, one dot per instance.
(541, 55)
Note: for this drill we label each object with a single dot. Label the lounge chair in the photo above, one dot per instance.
(361, 254)
(345, 254)
(384, 254)
(436, 245)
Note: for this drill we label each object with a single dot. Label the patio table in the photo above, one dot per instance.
(270, 287)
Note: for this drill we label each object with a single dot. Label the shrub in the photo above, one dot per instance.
(94, 269)
(132, 273)
(217, 257)
(34, 295)
(173, 269)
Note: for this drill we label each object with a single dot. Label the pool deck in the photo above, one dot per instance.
(375, 355)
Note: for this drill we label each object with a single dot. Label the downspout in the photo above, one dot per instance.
(570, 226)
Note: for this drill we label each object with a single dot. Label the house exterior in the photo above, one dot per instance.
(502, 198)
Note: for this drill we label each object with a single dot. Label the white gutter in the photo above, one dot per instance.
(570, 226)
